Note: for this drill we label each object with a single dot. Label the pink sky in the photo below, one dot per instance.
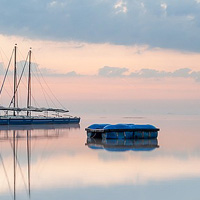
(87, 58)
(84, 58)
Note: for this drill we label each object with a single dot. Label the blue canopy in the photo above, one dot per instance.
(117, 127)
(97, 126)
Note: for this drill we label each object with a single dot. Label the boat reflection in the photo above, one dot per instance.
(123, 145)
(40, 127)
(40, 131)
(14, 134)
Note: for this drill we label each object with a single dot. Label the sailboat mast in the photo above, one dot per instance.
(15, 78)
(29, 85)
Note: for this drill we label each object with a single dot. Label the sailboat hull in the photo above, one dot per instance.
(24, 121)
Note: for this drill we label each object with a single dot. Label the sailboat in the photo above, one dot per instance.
(16, 118)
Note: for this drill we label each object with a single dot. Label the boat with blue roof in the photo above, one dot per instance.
(122, 131)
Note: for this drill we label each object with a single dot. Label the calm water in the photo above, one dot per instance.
(54, 162)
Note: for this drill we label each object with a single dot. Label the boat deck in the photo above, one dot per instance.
(37, 120)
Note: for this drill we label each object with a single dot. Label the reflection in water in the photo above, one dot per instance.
(44, 131)
(55, 163)
(40, 127)
(123, 145)
(28, 159)
(12, 134)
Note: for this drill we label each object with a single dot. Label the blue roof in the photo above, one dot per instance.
(124, 127)
(97, 126)
(142, 126)
(117, 126)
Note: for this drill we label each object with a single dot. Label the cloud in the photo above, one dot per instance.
(53, 3)
(20, 65)
(123, 72)
(163, 6)
(180, 73)
(184, 72)
(95, 21)
(2, 69)
(190, 17)
(36, 70)
(107, 71)
(120, 7)
(112, 71)
(72, 74)
(149, 73)
(53, 73)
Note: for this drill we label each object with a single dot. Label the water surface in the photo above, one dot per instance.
(58, 162)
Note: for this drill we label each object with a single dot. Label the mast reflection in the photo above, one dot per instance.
(15, 134)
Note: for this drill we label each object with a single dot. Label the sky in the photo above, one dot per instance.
(108, 50)
(166, 24)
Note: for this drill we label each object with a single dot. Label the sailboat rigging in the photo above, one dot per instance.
(17, 119)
